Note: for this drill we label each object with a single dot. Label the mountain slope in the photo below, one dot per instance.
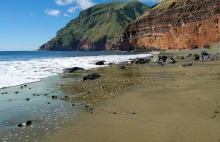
(175, 24)
(96, 28)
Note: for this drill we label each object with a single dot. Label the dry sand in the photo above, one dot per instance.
(181, 105)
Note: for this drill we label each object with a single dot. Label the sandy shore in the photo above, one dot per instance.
(161, 104)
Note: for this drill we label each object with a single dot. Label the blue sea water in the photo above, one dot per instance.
(19, 67)
(30, 55)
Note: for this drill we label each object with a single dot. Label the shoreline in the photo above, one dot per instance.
(171, 106)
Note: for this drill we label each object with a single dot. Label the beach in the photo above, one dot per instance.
(169, 104)
(128, 102)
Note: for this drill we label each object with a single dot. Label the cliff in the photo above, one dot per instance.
(97, 28)
(175, 24)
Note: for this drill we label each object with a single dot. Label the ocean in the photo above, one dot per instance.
(20, 67)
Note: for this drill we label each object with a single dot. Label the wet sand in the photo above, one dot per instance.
(34, 103)
(157, 104)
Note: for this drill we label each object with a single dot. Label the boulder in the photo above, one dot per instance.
(163, 58)
(92, 76)
(155, 58)
(141, 61)
(71, 70)
(170, 60)
(188, 55)
(186, 65)
(206, 57)
(195, 57)
(194, 47)
(100, 63)
(203, 53)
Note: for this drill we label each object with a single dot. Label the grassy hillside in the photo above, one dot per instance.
(102, 22)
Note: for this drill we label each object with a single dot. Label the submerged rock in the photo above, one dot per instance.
(71, 70)
(92, 76)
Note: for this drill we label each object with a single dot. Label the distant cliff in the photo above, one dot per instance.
(175, 24)
(97, 28)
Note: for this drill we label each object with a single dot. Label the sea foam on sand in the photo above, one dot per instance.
(14, 73)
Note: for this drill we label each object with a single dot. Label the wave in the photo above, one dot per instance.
(15, 73)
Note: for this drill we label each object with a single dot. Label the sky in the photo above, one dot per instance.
(27, 24)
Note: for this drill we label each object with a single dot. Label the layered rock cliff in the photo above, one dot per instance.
(175, 24)
(97, 28)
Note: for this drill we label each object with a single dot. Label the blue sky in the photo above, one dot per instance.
(27, 24)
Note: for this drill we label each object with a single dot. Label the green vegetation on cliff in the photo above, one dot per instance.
(96, 28)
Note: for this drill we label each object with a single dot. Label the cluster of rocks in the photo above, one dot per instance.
(163, 59)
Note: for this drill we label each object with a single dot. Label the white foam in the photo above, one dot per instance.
(13, 73)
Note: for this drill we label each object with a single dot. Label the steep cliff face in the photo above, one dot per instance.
(175, 24)
(97, 28)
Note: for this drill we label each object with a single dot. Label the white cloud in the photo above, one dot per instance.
(83, 4)
(64, 2)
(66, 15)
(52, 12)
(73, 9)
(153, 1)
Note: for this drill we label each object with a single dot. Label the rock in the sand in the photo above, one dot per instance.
(53, 97)
(203, 53)
(121, 67)
(163, 58)
(155, 59)
(160, 64)
(71, 70)
(100, 63)
(206, 57)
(195, 57)
(170, 60)
(27, 123)
(188, 55)
(141, 61)
(186, 65)
(194, 47)
(92, 76)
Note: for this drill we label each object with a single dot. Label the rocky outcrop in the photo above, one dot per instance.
(175, 24)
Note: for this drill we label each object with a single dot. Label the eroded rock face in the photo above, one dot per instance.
(176, 24)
